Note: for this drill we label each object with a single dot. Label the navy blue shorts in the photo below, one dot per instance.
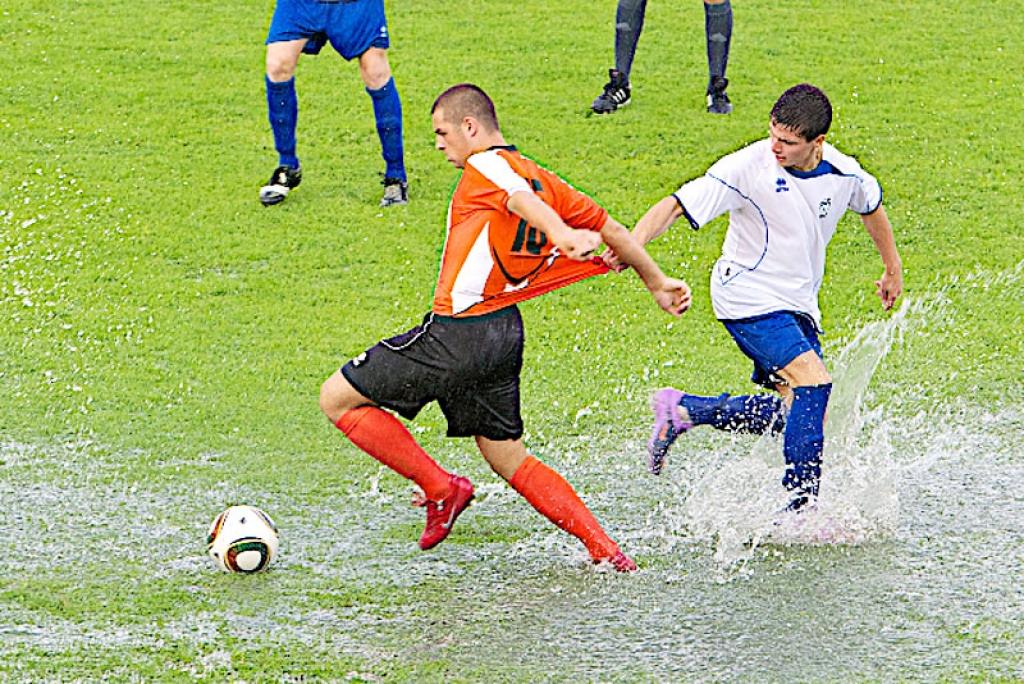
(352, 26)
(469, 366)
(773, 340)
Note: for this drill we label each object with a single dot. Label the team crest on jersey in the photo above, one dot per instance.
(780, 185)
(824, 206)
(359, 359)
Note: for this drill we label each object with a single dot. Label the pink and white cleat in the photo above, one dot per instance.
(667, 427)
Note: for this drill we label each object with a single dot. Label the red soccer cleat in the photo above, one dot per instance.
(441, 514)
(620, 561)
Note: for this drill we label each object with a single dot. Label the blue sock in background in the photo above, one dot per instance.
(804, 439)
(283, 111)
(755, 413)
(387, 110)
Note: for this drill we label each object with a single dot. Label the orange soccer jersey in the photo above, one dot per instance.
(492, 258)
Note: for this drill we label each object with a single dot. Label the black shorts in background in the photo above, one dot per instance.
(469, 366)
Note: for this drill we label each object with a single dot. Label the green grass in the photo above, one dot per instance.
(163, 336)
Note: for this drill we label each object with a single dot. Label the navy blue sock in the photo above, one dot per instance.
(804, 438)
(387, 110)
(283, 109)
(755, 413)
(718, 30)
(629, 22)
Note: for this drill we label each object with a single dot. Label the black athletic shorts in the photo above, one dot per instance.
(469, 366)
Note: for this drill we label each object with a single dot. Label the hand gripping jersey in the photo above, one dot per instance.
(780, 221)
(492, 258)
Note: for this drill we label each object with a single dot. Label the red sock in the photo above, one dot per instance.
(381, 435)
(556, 500)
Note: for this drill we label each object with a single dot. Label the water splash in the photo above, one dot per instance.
(736, 505)
(927, 584)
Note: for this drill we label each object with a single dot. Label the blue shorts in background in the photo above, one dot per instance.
(352, 26)
(773, 340)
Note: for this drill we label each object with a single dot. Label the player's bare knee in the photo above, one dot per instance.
(281, 64)
(806, 370)
(376, 80)
(337, 396)
(813, 380)
(816, 374)
(327, 404)
(332, 398)
(280, 71)
(503, 456)
(374, 68)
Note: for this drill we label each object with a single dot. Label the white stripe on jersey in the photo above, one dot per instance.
(496, 169)
(468, 288)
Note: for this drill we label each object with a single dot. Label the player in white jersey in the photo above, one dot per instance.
(785, 196)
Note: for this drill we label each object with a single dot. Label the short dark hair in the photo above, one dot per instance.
(804, 109)
(466, 99)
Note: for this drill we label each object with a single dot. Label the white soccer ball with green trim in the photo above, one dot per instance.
(242, 539)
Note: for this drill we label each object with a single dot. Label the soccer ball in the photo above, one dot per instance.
(242, 539)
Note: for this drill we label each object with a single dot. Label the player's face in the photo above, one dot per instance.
(790, 148)
(451, 139)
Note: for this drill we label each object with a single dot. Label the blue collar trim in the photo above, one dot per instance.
(823, 168)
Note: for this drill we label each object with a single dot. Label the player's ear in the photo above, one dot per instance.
(471, 125)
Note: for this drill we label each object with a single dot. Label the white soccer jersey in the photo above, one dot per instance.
(780, 221)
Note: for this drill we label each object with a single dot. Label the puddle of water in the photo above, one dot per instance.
(913, 568)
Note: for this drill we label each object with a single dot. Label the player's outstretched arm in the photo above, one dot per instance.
(575, 244)
(672, 295)
(890, 285)
(656, 221)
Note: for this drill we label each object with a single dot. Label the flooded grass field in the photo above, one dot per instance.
(911, 569)
(163, 336)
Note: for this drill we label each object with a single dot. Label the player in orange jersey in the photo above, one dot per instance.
(515, 230)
